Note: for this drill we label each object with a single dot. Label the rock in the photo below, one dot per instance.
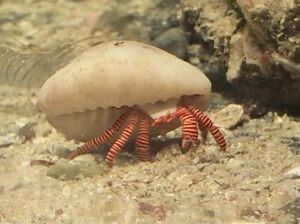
(162, 17)
(211, 23)
(275, 24)
(290, 66)
(136, 24)
(229, 117)
(293, 143)
(245, 56)
(47, 157)
(41, 162)
(85, 166)
(174, 41)
(260, 56)
(60, 151)
(18, 132)
(127, 25)
(254, 109)
(158, 212)
(260, 74)
(293, 208)
(27, 132)
(7, 140)
(193, 52)
(293, 173)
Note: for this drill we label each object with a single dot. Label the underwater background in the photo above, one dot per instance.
(250, 50)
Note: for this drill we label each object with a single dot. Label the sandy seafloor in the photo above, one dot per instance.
(244, 185)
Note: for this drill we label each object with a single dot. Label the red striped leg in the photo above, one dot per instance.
(209, 124)
(91, 145)
(189, 128)
(143, 140)
(122, 140)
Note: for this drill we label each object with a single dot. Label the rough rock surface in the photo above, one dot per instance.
(255, 43)
(252, 44)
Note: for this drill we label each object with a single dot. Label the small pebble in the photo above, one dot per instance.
(254, 109)
(41, 162)
(174, 41)
(27, 131)
(156, 211)
(7, 140)
(293, 142)
(293, 208)
(229, 117)
(293, 173)
(74, 169)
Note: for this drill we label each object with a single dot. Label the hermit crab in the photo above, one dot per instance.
(126, 91)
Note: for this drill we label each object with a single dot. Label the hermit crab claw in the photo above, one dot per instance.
(112, 93)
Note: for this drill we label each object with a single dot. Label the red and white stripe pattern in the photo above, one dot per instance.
(123, 139)
(191, 119)
(142, 141)
(189, 128)
(91, 145)
(207, 123)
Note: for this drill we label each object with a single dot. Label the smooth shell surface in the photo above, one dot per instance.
(89, 124)
(84, 126)
(120, 74)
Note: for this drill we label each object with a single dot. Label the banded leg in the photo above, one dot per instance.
(189, 128)
(142, 141)
(216, 133)
(122, 140)
(91, 145)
